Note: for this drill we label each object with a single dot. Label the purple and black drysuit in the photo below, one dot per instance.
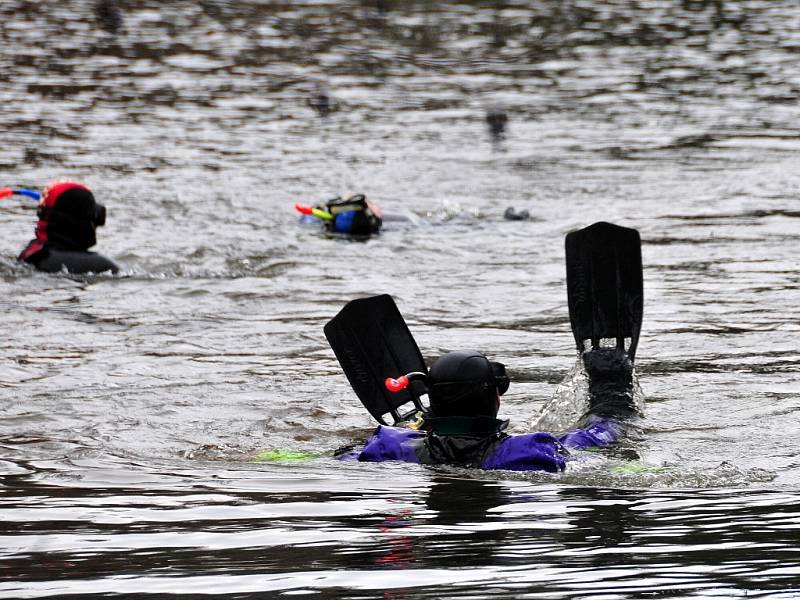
(482, 443)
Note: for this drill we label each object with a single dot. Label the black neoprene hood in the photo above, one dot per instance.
(71, 220)
(463, 383)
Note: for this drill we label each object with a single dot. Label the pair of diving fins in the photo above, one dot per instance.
(372, 342)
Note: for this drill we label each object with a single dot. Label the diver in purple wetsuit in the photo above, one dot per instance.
(460, 426)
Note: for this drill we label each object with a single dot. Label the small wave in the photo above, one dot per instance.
(636, 474)
(571, 401)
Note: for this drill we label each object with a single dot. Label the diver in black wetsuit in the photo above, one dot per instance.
(68, 217)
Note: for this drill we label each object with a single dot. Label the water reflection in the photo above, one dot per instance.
(609, 522)
(485, 532)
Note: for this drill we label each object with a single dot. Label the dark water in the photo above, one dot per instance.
(134, 407)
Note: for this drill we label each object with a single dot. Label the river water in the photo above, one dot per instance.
(137, 409)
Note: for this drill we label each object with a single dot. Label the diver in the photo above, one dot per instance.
(354, 215)
(69, 216)
(460, 426)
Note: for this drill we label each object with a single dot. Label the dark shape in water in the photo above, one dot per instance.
(68, 218)
(694, 141)
(109, 15)
(321, 101)
(512, 215)
(610, 372)
(382, 6)
(496, 118)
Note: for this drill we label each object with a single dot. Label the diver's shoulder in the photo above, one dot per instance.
(54, 260)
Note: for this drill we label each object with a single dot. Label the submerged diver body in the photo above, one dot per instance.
(353, 216)
(68, 218)
(460, 425)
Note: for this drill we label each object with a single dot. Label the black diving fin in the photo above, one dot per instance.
(372, 342)
(604, 285)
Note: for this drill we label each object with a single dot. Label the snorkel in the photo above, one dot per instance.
(402, 382)
(464, 389)
(7, 191)
(460, 383)
(353, 215)
(311, 211)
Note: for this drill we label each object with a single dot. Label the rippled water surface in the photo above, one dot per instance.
(135, 408)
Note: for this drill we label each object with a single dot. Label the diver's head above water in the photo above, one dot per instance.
(466, 384)
(463, 383)
(68, 216)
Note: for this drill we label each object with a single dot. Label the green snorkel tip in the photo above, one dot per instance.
(284, 455)
(314, 212)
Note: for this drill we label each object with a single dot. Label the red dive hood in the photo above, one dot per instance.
(68, 215)
(54, 190)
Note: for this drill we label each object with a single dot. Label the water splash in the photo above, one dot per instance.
(452, 210)
(639, 474)
(571, 401)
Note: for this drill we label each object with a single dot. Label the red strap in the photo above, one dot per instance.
(54, 190)
(31, 250)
